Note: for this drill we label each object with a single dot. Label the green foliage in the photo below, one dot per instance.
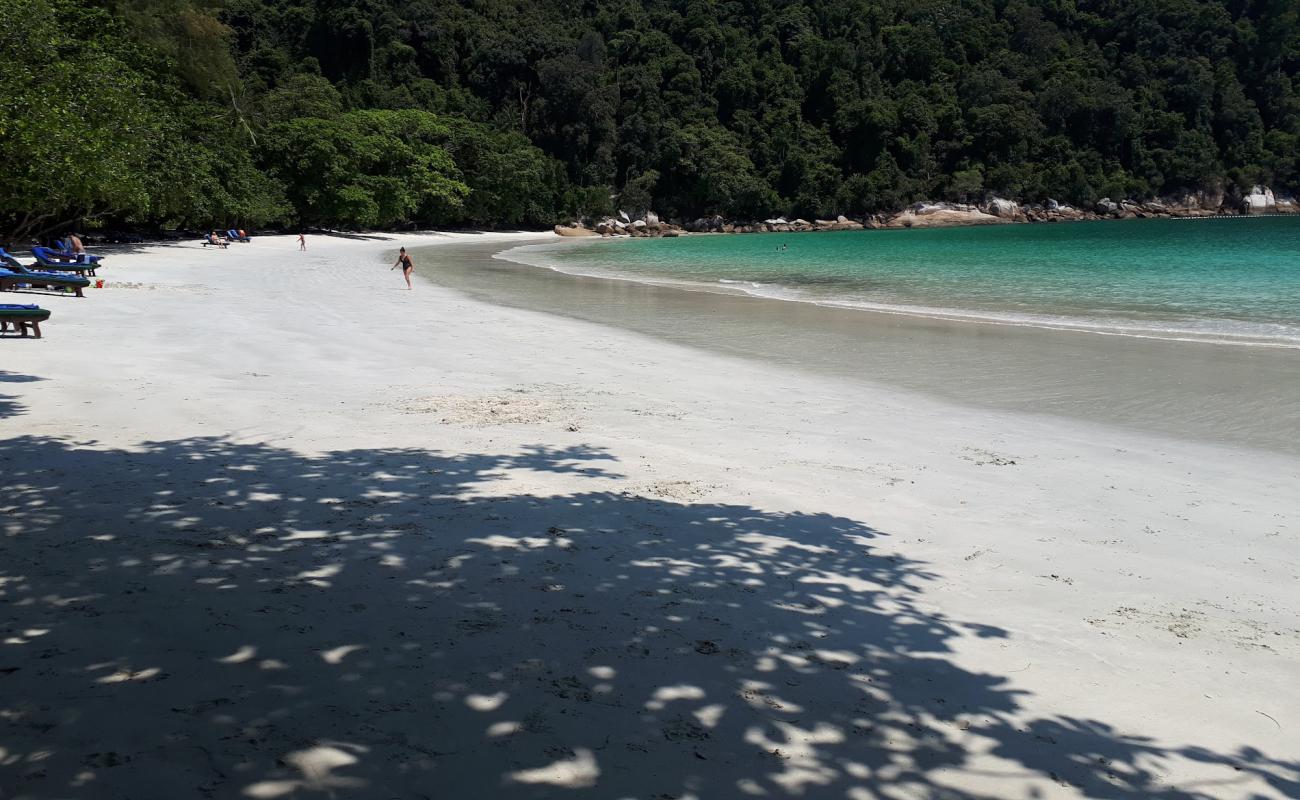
(510, 181)
(638, 193)
(366, 168)
(94, 126)
(304, 94)
(75, 121)
(710, 172)
(393, 112)
(816, 108)
(188, 34)
(209, 178)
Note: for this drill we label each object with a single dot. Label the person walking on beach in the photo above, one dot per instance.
(302, 242)
(404, 261)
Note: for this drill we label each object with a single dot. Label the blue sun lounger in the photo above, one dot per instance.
(24, 320)
(233, 235)
(63, 247)
(66, 262)
(22, 278)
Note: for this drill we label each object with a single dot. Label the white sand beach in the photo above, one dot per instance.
(275, 527)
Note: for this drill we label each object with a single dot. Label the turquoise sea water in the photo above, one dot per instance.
(1229, 280)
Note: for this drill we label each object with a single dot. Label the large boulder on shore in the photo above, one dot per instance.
(840, 223)
(942, 217)
(706, 224)
(1005, 209)
(1107, 206)
(1209, 200)
(573, 230)
(1260, 200)
(610, 227)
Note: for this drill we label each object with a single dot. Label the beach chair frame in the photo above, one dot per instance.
(23, 324)
(52, 261)
(24, 282)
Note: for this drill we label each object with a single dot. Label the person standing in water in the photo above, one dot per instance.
(404, 261)
(302, 242)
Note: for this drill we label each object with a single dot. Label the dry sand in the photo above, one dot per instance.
(274, 527)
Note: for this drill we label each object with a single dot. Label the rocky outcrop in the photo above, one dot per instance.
(573, 229)
(1051, 211)
(1210, 201)
(1003, 209)
(649, 224)
(840, 223)
(717, 224)
(998, 210)
(713, 224)
(1260, 200)
(940, 215)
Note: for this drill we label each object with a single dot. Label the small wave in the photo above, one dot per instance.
(1206, 331)
(1209, 332)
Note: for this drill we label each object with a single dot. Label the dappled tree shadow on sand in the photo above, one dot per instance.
(10, 407)
(208, 618)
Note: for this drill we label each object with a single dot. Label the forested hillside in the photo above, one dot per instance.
(359, 113)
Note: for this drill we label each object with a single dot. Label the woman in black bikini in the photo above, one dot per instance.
(404, 261)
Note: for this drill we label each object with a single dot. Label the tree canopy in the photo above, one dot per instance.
(503, 112)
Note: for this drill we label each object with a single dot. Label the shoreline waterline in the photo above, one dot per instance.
(1203, 391)
(1145, 278)
(518, 255)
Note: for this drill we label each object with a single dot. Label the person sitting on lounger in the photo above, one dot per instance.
(213, 238)
(77, 248)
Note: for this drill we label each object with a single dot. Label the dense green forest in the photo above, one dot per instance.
(379, 113)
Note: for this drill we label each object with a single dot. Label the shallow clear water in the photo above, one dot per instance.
(1222, 279)
(1224, 394)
